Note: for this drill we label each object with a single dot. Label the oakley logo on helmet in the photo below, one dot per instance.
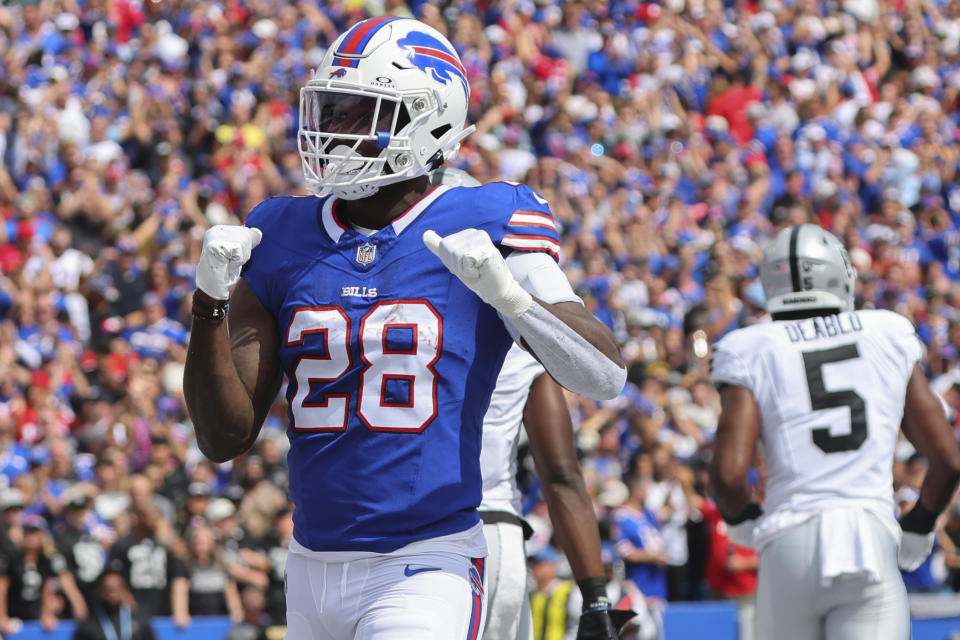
(433, 58)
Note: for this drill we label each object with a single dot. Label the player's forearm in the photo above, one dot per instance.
(219, 405)
(730, 481)
(732, 497)
(550, 431)
(575, 523)
(578, 350)
(738, 430)
(939, 485)
(927, 428)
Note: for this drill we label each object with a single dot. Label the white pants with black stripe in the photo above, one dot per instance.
(508, 605)
(429, 596)
(793, 604)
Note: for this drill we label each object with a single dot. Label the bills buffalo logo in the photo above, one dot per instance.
(338, 73)
(433, 58)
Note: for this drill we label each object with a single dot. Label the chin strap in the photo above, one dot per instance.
(355, 192)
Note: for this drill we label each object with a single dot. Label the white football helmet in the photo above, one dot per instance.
(387, 103)
(806, 267)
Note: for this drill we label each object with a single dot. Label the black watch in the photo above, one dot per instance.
(210, 312)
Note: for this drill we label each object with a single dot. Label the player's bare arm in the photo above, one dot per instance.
(232, 375)
(548, 425)
(547, 421)
(232, 371)
(928, 430)
(738, 431)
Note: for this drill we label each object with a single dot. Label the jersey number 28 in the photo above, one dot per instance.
(400, 343)
(820, 398)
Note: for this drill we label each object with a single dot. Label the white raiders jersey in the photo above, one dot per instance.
(501, 429)
(831, 393)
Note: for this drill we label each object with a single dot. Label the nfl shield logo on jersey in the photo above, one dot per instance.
(366, 253)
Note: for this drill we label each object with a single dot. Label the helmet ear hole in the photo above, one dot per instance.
(439, 131)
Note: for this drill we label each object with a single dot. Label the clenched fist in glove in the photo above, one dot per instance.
(225, 250)
(599, 620)
(602, 624)
(740, 529)
(472, 257)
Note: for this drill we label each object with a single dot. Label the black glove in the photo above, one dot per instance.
(602, 624)
(599, 620)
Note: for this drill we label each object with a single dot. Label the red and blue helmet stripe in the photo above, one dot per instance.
(357, 38)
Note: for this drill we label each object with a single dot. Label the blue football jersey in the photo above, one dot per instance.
(390, 361)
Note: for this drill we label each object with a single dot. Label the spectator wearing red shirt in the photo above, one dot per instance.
(733, 103)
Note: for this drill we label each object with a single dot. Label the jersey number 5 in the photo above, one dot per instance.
(820, 399)
(400, 343)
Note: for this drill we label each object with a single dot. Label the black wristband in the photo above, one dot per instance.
(215, 312)
(919, 519)
(752, 512)
(594, 591)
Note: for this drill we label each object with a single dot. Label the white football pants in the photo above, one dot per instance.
(428, 596)
(508, 605)
(792, 603)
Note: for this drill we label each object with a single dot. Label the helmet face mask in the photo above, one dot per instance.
(388, 103)
(806, 267)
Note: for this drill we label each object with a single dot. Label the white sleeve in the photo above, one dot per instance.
(906, 342)
(728, 367)
(541, 277)
(569, 358)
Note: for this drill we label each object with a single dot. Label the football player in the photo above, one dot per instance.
(390, 306)
(526, 395)
(826, 390)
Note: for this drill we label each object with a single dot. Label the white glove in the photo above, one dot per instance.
(225, 250)
(742, 534)
(914, 549)
(471, 256)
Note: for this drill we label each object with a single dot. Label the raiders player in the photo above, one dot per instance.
(826, 390)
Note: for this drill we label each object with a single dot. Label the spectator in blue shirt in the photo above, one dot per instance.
(640, 544)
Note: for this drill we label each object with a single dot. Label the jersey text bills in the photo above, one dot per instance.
(358, 292)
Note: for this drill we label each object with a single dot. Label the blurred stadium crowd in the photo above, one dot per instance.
(671, 140)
